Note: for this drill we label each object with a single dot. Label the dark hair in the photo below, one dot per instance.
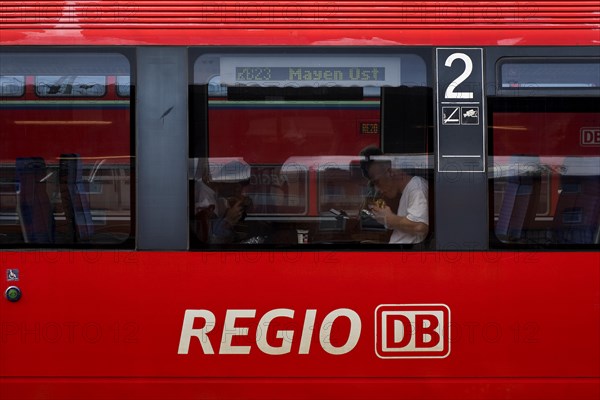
(366, 161)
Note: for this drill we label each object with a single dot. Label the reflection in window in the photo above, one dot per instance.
(12, 86)
(278, 156)
(546, 174)
(123, 86)
(65, 166)
(215, 88)
(74, 86)
(550, 74)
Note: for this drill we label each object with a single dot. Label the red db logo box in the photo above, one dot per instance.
(412, 331)
(590, 136)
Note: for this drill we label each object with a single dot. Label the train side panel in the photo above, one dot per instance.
(302, 317)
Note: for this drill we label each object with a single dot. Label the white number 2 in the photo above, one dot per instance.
(450, 93)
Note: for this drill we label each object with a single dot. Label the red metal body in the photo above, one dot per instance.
(299, 23)
(41, 123)
(108, 324)
(341, 123)
(116, 318)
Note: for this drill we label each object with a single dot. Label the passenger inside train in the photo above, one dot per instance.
(410, 223)
(221, 205)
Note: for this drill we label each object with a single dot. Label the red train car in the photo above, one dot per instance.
(189, 190)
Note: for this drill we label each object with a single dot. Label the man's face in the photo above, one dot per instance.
(381, 177)
(229, 189)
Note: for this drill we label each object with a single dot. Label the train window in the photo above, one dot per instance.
(70, 86)
(65, 159)
(276, 140)
(558, 73)
(546, 171)
(12, 86)
(123, 86)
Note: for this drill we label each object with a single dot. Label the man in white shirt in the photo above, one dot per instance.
(410, 224)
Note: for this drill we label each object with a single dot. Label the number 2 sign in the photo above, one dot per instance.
(451, 92)
(460, 109)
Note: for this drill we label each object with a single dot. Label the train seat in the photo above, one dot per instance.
(33, 205)
(75, 199)
(519, 204)
(577, 214)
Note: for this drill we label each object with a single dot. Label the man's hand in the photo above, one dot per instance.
(234, 214)
(382, 214)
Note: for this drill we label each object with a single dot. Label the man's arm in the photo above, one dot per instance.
(386, 217)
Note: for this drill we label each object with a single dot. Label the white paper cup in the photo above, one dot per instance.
(302, 236)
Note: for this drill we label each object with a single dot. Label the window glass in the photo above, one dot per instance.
(70, 86)
(276, 145)
(546, 171)
(12, 86)
(546, 73)
(123, 85)
(65, 159)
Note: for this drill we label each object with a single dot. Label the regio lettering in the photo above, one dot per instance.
(233, 328)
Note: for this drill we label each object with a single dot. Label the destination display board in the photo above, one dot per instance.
(310, 70)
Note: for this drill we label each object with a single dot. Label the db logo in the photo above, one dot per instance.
(412, 331)
(590, 136)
